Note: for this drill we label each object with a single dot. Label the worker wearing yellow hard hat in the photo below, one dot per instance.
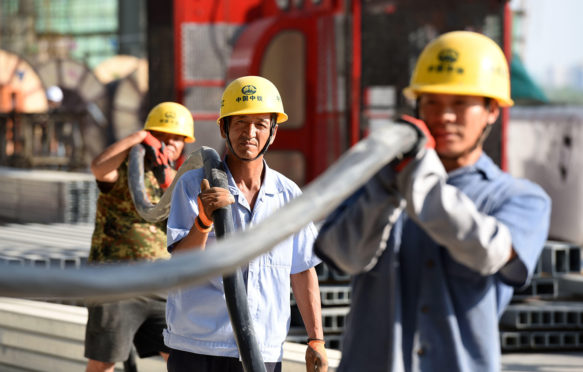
(251, 95)
(199, 331)
(172, 118)
(439, 239)
(122, 235)
(465, 63)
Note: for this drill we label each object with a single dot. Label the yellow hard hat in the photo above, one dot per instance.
(251, 95)
(171, 117)
(464, 63)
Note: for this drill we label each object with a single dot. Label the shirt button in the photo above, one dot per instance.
(421, 351)
(424, 309)
(430, 263)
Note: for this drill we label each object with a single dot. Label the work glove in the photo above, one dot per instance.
(424, 140)
(159, 159)
(386, 176)
(209, 200)
(316, 358)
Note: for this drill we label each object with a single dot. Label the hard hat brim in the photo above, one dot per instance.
(412, 92)
(281, 116)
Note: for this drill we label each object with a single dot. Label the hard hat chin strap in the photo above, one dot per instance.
(227, 121)
(485, 132)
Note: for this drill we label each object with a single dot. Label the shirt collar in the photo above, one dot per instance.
(484, 165)
(269, 185)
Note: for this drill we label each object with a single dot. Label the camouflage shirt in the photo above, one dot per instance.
(120, 233)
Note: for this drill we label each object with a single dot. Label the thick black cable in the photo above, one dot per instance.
(234, 285)
(118, 281)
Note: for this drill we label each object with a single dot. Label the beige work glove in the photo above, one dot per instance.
(316, 358)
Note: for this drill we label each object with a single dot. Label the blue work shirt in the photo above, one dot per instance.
(197, 317)
(418, 309)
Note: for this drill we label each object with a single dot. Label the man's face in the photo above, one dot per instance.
(249, 134)
(174, 142)
(456, 121)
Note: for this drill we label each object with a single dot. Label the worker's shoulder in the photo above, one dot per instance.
(508, 184)
(521, 189)
(280, 183)
(192, 175)
(526, 186)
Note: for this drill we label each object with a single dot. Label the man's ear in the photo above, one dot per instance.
(222, 128)
(493, 111)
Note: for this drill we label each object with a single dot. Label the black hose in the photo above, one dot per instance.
(157, 212)
(234, 285)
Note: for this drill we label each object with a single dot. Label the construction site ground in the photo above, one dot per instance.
(67, 245)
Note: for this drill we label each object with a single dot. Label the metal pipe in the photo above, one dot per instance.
(319, 199)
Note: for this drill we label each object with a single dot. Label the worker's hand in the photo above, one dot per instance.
(316, 358)
(210, 199)
(425, 140)
(159, 159)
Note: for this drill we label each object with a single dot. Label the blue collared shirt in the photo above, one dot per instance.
(197, 317)
(434, 313)
(449, 312)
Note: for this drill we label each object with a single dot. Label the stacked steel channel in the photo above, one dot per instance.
(47, 196)
(547, 314)
(81, 201)
(45, 245)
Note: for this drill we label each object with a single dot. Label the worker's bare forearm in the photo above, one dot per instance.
(104, 166)
(194, 240)
(307, 294)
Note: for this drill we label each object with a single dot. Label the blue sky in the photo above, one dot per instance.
(554, 34)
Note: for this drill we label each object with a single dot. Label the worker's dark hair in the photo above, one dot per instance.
(487, 101)
(416, 109)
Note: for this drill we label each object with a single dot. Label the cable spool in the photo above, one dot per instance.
(83, 93)
(129, 103)
(21, 88)
(117, 68)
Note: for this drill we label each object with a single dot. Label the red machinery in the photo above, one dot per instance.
(339, 65)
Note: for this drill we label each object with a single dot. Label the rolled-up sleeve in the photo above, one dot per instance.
(304, 257)
(527, 216)
(183, 208)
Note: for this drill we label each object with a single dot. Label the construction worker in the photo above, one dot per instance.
(199, 332)
(121, 235)
(431, 282)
